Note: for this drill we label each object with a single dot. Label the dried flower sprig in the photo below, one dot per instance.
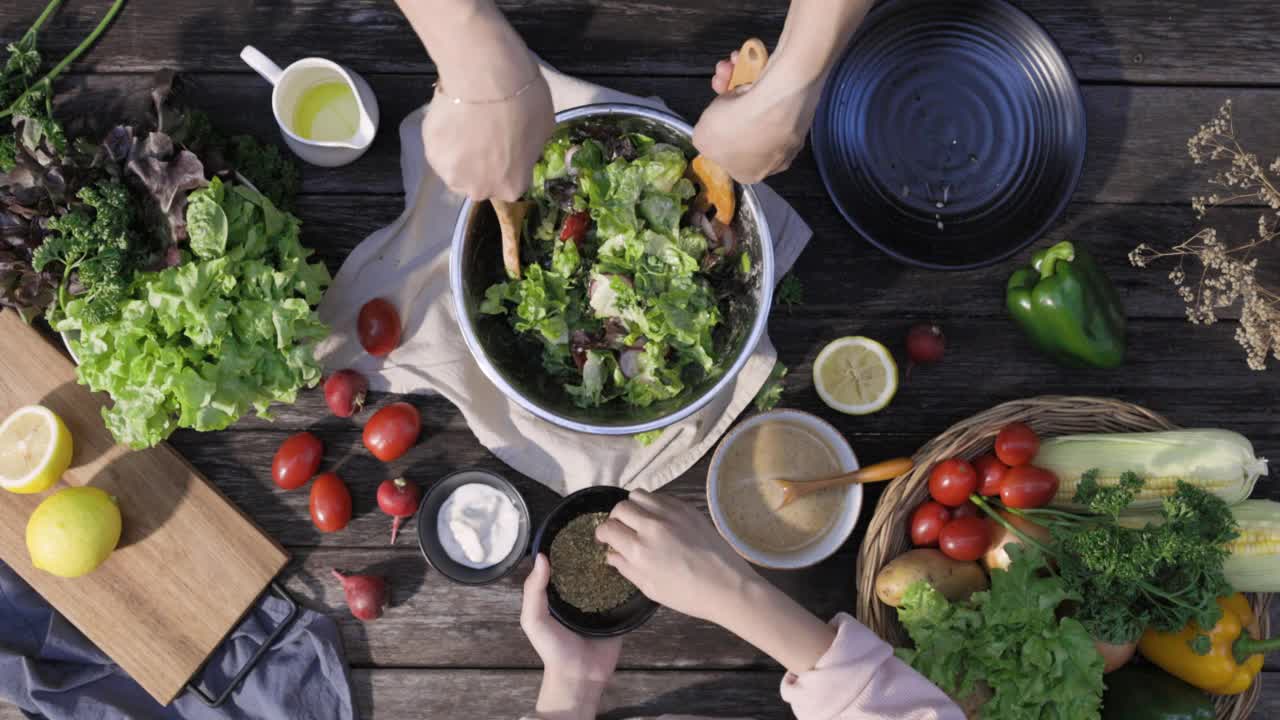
(1228, 271)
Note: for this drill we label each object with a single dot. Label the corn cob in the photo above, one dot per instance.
(1219, 461)
(1254, 563)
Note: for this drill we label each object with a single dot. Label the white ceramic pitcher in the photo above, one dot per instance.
(289, 86)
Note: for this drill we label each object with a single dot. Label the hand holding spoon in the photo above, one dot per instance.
(881, 471)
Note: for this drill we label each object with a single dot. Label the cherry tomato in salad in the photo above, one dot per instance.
(990, 472)
(297, 460)
(575, 228)
(1028, 486)
(966, 510)
(965, 539)
(392, 431)
(927, 522)
(378, 326)
(1017, 444)
(952, 482)
(330, 503)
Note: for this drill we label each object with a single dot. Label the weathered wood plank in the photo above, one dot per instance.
(1182, 42)
(1137, 136)
(502, 695)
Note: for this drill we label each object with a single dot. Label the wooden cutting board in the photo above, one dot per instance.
(189, 564)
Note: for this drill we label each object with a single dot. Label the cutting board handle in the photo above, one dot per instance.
(281, 627)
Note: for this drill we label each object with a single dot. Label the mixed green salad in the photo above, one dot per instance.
(624, 281)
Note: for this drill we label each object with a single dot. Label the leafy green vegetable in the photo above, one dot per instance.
(629, 312)
(790, 292)
(771, 392)
(1010, 637)
(648, 438)
(270, 170)
(96, 245)
(228, 331)
(1163, 574)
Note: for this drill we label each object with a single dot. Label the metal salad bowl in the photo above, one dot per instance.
(514, 364)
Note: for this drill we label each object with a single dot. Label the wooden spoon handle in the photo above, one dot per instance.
(752, 57)
(881, 471)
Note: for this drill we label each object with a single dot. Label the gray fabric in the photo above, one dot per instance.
(50, 670)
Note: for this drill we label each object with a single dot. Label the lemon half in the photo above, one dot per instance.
(35, 449)
(855, 375)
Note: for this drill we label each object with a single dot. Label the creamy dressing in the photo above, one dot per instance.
(749, 497)
(478, 525)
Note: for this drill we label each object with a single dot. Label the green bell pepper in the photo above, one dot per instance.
(1143, 692)
(1068, 307)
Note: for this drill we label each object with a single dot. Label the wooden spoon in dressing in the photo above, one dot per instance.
(881, 471)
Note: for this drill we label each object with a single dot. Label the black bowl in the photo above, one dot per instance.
(952, 133)
(628, 616)
(429, 538)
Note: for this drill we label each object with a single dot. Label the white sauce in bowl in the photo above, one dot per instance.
(478, 525)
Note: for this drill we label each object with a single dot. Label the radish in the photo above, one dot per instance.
(344, 392)
(367, 595)
(398, 498)
(925, 345)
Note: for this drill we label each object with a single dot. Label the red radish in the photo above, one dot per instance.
(344, 392)
(367, 595)
(925, 345)
(398, 498)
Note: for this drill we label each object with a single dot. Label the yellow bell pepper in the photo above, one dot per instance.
(1234, 657)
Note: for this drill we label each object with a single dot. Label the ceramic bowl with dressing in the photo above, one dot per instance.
(742, 496)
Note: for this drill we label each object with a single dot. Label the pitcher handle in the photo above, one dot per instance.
(262, 64)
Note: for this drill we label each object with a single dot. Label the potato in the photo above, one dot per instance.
(955, 579)
(997, 557)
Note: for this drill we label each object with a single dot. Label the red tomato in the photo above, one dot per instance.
(966, 510)
(575, 228)
(1017, 444)
(330, 503)
(1028, 486)
(378, 327)
(990, 472)
(392, 431)
(297, 460)
(965, 539)
(952, 482)
(927, 522)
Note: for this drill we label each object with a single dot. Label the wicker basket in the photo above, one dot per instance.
(887, 533)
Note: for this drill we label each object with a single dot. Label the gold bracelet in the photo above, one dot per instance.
(438, 91)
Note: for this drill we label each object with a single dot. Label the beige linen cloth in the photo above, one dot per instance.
(407, 263)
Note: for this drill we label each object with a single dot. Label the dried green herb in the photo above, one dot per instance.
(579, 571)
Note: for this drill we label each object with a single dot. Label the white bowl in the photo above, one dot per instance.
(823, 546)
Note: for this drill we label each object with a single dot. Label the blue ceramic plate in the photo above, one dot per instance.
(951, 134)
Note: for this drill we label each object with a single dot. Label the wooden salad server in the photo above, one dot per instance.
(881, 471)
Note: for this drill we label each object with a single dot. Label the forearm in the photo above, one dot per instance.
(478, 54)
(568, 698)
(778, 626)
(816, 33)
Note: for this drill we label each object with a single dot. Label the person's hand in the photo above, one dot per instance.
(673, 554)
(576, 668)
(756, 130)
(485, 147)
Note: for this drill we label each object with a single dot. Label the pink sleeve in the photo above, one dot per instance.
(859, 678)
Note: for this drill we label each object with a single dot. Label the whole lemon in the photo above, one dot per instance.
(73, 531)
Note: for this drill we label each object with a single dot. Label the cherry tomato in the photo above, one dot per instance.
(392, 431)
(990, 472)
(330, 503)
(927, 522)
(1028, 486)
(965, 539)
(952, 481)
(378, 327)
(297, 460)
(966, 510)
(575, 228)
(1017, 444)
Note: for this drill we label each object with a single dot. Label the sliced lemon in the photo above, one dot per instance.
(35, 449)
(855, 375)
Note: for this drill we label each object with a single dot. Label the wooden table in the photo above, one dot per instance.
(1152, 73)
